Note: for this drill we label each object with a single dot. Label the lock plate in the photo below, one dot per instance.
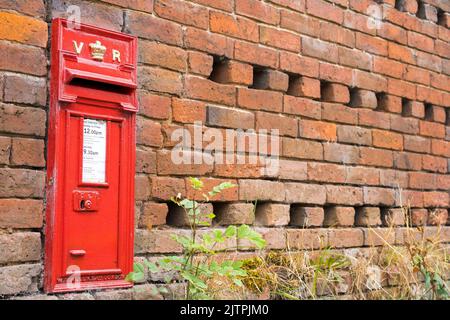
(86, 201)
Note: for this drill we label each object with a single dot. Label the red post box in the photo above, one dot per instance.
(91, 158)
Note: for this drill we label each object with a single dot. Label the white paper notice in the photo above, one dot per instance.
(94, 151)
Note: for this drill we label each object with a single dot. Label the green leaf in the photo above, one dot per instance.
(238, 282)
(196, 183)
(230, 231)
(196, 282)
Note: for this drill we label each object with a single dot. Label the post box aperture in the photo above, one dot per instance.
(91, 154)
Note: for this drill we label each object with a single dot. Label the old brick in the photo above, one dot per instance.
(339, 216)
(338, 34)
(435, 113)
(272, 214)
(363, 99)
(435, 164)
(261, 190)
(233, 72)
(333, 73)
(379, 196)
(422, 42)
(401, 53)
(157, 241)
(432, 129)
(388, 67)
(404, 124)
(287, 126)
(142, 187)
(437, 199)
(235, 213)
(188, 111)
(419, 217)
(393, 217)
(393, 178)
(363, 176)
(345, 238)
(370, 44)
(390, 103)
(410, 6)
(417, 144)
(325, 10)
(19, 278)
(182, 12)
(148, 132)
(169, 164)
(307, 216)
(354, 135)
(249, 52)
(5, 150)
(21, 183)
(306, 238)
(303, 149)
(340, 113)
(29, 152)
(154, 106)
(304, 87)
(437, 217)
(161, 80)
(260, 100)
(344, 195)
(387, 139)
(368, 216)
(376, 157)
(208, 42)
(421, 180)
(317, 130)
(258, 10)
(162, 55)
(413, 109)
(166, 187)
(200, 63)
(302, 107)
(440, 148)
(320, 49)
(407, 160)
(305, 193)
(379, 236)
(20, 247)
(333, 92)
(233, 26)
(154, 214)
(230, 118)
(203, 89)
(369, 81)
(325, 172)
(271, 80)
(279, 39)
(153, 28)
(341, 153)
(23, 29)
(25, 89)
(292, 170)
(355, 58)
(24, 59)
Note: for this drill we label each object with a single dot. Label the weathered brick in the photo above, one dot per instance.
(203, 89)
(437, 217)
(388, 67)
(249, 52)
(404, 124)
(200, 63)
(188, 111)
(440, 147)
(167, 164)
(355, 58)
(152, 28)
(376, 157)
(325, 11)
(379, 236)
(233, 26)
(272, 214)
(300, 65)
(233, 72)
(304, 87)
(258, 10)
(333, 73)
(305, 193)
(148, 132)
(19, 278)
(345, 238)
(303, 149)
(268, 79)
(260, 99)
(287, 126)
(302, 106)
(435, 164)
(435, 113)
(24, 59)
(354, 135)
(370, 44)
(161, 80)
(166, 187)
(25, 89)
(410, 6)
(407, 160)
(320, 49)
(417, 144)
(393, 217)
(340, 113)
(436, 199)
(368, 216)
(154, 106)
(159, 54)
(432, 129)
(261, 190)
(157, 241)
(369, 81)
(182, 12)
(28, 152)
(20, 247)
(279, 39)
(306, 238)
(154, 214)
(340, 153)
(23, 29)
(413, 109)
(419, 217)
(339, 216)
(5, 150)
(230, 118)
(292, 170)
(21, 183)
(317, 130)
(379, 196)
(393, 178)
(326, 172)
(333, 92)
(307, 216)
(363, 99)
(387, 139)
(235, 213)
(208, 42)
(363, 176)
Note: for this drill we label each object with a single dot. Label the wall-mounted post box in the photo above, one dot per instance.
(91, 158)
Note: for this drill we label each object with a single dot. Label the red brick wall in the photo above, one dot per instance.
(362, 107)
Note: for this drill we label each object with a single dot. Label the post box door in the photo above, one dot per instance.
(92, 202)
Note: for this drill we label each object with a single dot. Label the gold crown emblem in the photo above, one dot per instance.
(97, 51)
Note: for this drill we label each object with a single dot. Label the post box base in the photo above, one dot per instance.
(91, 285)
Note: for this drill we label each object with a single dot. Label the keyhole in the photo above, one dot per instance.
(82, 204)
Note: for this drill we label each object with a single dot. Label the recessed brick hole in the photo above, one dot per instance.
(177, 216)
(410, 6)
(443, 18)
(231, 72)
(413, 108)
(427, 12)
(268, 79)
(389, 103)
(334, 92)
(428, 112)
